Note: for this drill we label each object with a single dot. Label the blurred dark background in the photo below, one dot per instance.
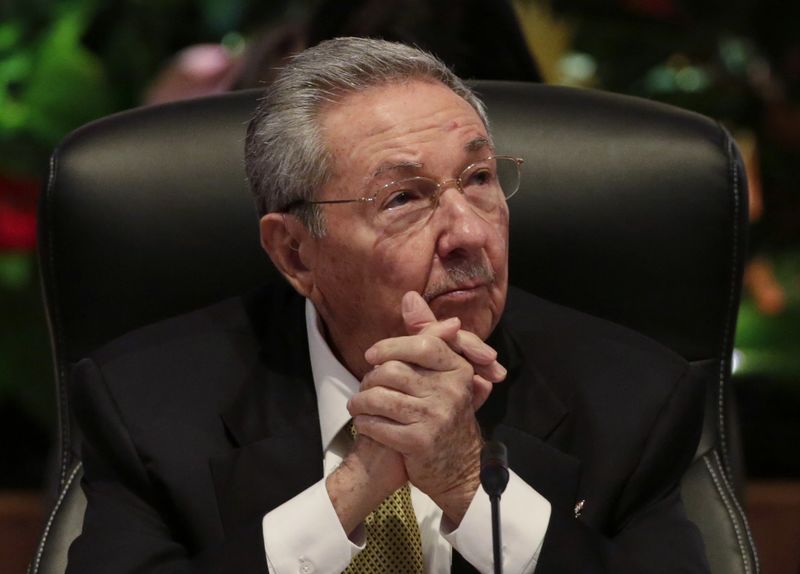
(66, 62)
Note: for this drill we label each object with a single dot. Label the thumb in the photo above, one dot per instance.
(416, 313)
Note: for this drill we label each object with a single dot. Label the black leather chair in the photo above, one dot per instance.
(630, 210)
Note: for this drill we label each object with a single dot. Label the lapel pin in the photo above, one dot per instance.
(579, 507)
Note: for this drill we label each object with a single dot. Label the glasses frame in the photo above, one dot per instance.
(441, 186)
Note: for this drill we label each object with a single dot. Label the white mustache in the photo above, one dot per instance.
(463, 274)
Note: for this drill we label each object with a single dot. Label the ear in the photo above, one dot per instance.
(290, 246)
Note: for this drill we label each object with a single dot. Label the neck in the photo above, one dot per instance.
(353, 360)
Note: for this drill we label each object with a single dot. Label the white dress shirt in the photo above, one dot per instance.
(304, 535)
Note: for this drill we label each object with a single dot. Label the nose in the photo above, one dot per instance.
(460, 229)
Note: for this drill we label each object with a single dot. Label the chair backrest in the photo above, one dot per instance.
(629, 210)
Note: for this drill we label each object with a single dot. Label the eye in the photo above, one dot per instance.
(399, 199)
(405, 195)
(480, 176)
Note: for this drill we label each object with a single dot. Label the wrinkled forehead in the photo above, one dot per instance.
(394, 122)
(340, 100)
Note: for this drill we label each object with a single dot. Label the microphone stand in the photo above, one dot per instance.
(497, 543)
(494, 478)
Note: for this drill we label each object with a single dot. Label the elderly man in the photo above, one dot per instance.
(336, 425)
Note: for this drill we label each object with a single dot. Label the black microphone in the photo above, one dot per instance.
(494, 479)
(494, 468)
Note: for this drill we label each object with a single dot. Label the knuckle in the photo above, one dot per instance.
(465, 369)
(431, 344)
(396, 373)
(425, 410)
(393, 368)
(415, 409)
(404, 411)
(370, 379)
(426, 343)
(366, 426)
(360, 404)
(358, 423)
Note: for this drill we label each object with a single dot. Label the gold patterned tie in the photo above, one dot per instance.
(393, 542)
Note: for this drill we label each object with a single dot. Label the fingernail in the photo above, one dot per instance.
(410, 302)
(500, 371)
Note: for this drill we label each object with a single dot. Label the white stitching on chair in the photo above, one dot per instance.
(731, 514)
(739, 508)
(34, 566)
(58, 336)
(723, 367)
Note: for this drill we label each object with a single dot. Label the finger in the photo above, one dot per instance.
(475, 349)
(386, 403)
(481, 389)
(482, 356)
(446, 330)
(494, 372)
(419, 318)
(424, 351)
(399, 376)
(416, 312)
(389, 433)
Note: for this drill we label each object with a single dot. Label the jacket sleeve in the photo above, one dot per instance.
(649, 531)
(127, 527)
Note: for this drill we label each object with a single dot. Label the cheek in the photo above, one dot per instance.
(497, 247)
(498, 254)
(403, 263)
(338, 274)
(501, 227)
(367, 276)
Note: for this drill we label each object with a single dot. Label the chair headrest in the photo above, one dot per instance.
(629, 210)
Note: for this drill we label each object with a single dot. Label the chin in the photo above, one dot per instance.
(476, 318)
(482, 326)
(478, 308)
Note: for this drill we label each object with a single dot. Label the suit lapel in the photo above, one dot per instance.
(272, 422)
(526, 414)
(273, 425)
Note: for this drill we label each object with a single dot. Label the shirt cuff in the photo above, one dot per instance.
(524, 516)
(304, 535)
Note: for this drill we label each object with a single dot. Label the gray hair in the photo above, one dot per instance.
(286, 159)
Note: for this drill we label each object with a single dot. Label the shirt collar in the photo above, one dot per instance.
(333, 383)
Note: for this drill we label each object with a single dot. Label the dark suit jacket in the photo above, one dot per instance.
(196, 427)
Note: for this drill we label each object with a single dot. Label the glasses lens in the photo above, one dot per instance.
(489, 182)
(508, 175)
(400, 204)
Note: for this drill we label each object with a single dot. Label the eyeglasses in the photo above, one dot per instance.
(486, 184)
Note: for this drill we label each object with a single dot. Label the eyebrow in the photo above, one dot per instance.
(389, 166)
(477, 144)
(471, 146)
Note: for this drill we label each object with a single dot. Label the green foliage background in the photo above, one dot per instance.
(64, 63)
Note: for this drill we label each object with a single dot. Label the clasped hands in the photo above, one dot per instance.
(415, 417)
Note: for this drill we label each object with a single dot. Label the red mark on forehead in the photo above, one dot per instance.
(452, 126)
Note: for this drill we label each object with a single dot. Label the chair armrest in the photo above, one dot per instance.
(64, 524)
